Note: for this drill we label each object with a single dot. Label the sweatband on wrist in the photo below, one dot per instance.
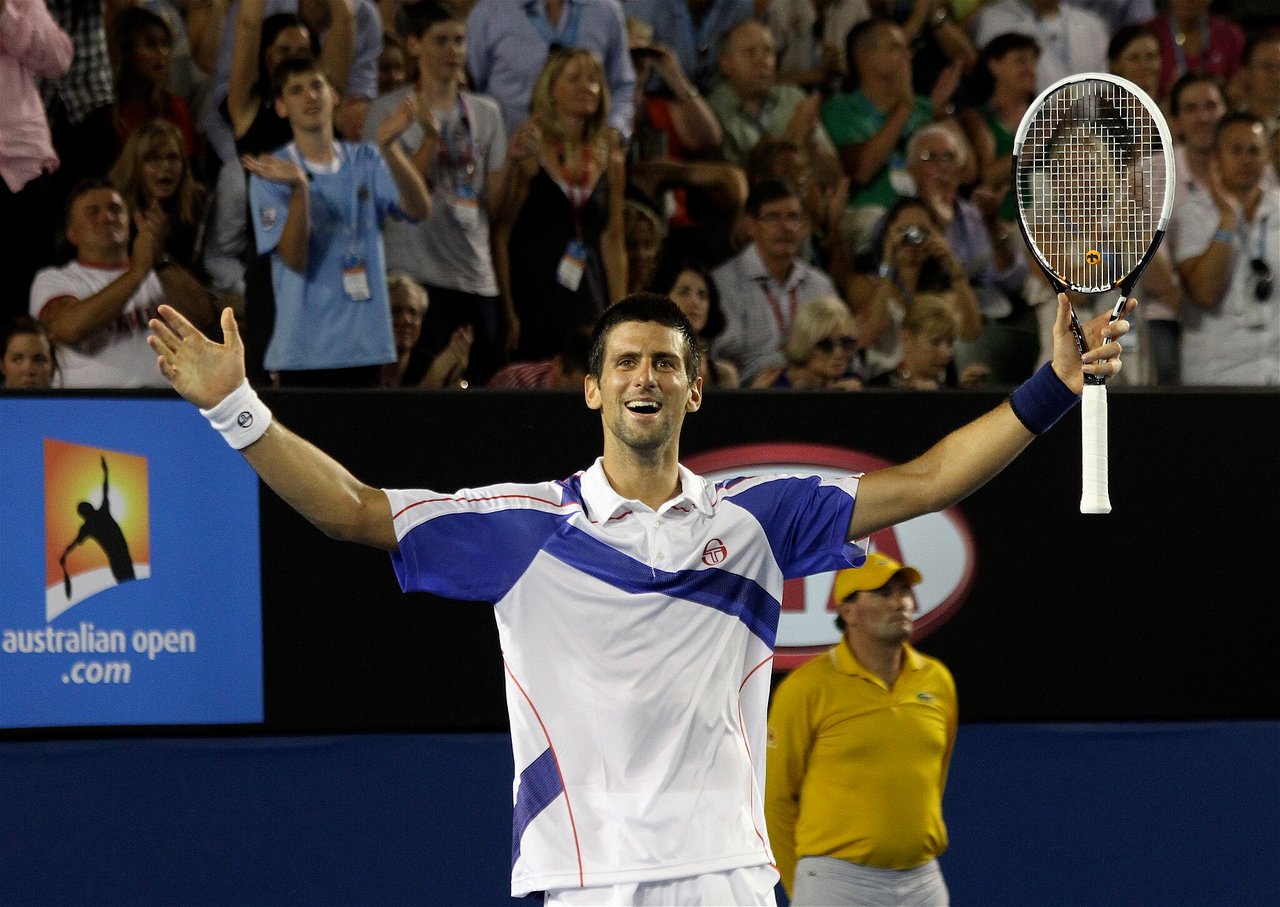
(1042, 400)
(241, 418)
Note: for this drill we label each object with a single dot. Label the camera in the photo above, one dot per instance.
(913, 235)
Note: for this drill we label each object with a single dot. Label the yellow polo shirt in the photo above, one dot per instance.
(856, 770)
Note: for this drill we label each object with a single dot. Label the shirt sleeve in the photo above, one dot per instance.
(269, 207)
(29, 35)
(362, 80)
(50, 284)
(386, 194)
(805, 518)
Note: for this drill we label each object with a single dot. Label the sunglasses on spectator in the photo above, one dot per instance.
(829, 344)
(1262, 280)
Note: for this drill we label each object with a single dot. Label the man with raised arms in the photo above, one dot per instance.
(637, 604)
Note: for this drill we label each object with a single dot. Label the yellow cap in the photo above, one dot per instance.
(877, 571)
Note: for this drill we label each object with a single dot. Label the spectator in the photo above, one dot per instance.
(1197, 102)
(691, 288)
(564, 371)
(413, 368)
(762, 287)
(31, 45)
(1134, 54)
(821, 348)
(693, 29)
(393, 68)
(79, 103)
(508, 42)
(750, 104)
(97, 307)
(318, 208)
(643, 233)
(928, 347)
(460, 144)
(698, 199)
(936, 41)
(1192, 40)
(908, 256)
(153, 172)
(1261, 83)
(1071, 39)
(345, 34)
(28, 359)
(1002, 87)
(142, 49)
(559, 250)
(836, 19)
(1226, 244)
(872, 120)
(1119, 13)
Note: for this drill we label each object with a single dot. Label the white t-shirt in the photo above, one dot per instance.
(116, 355)
(1238, 341)
(638, 647)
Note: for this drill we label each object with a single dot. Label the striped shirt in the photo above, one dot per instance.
(637, 646)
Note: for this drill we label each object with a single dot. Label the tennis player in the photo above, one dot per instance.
(636, 603)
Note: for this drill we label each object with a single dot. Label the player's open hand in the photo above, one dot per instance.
(1101, 336)
(202, 371)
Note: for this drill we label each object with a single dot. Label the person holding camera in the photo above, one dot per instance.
(909, 255)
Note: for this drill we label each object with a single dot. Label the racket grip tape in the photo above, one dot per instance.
(1094, 497)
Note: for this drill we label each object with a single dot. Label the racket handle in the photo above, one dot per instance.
(1093, 415)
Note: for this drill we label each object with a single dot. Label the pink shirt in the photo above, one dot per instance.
(31, 44)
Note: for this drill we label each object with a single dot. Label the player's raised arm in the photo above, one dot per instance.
(211, 375)
(972, 455)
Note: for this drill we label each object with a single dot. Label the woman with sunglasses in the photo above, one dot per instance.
(821, 350)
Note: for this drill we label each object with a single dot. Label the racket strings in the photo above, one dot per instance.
(1091, 183)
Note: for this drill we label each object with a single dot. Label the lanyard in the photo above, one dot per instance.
(352, 217)
(565, 37)
(447, 161)
(783, 319)
(1179, 55)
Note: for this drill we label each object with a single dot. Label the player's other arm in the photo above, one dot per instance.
(972, 455)
(306, 478)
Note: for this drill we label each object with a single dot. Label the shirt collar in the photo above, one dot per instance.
(604, 503)
(844, 661)
(753, 266)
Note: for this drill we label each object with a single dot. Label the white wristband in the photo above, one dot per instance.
(241, 418)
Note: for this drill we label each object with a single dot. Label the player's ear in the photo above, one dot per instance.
(694, 403)
(591, 391)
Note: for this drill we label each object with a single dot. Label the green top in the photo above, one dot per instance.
(852, 119)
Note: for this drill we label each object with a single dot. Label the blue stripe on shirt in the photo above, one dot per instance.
(539, 787)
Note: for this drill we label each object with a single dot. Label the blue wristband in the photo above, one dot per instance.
(1042, 400)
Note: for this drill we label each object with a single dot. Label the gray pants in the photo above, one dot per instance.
(826, 882)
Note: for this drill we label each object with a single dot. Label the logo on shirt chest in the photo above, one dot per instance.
(714, 552)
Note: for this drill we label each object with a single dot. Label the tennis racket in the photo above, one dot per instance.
(1094, 175)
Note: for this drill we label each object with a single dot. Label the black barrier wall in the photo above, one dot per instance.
(1165, 609)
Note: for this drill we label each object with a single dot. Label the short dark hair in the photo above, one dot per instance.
(417, 18)
(1125, 36)
(294, 66)
(981, 83)
(84, 187)
(860, 37)
(766, 191)
(643, 307)
(1186, 80)
(1235, 118)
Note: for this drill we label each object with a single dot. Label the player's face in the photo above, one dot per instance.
(99, 224)
(1200, 106)
(27, 362)
(643, 391)
(1242, 156)
(884, 615)
(441, 51)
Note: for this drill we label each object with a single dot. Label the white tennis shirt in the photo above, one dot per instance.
(637, 646)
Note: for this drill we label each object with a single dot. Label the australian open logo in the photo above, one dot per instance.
(940, 545)
(97, 522)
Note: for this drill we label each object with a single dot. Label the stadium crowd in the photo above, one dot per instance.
(443, 193)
